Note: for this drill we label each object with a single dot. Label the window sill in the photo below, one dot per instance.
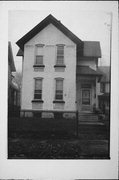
(58, 101)
(37, 100)
(60, 66)
(36, 66)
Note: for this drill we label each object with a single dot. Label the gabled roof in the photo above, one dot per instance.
(10, 57)
(86, 70)
(92, 49)
(49, 19)
(105, 70)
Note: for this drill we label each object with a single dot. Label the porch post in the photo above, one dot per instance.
(96, 92)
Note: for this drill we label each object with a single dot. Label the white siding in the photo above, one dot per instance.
(49, 36)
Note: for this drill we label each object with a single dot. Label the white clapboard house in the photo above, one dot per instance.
(60, 71)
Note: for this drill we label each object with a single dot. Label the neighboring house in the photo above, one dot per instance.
(60, 71)
(104, 91)
(13, 89)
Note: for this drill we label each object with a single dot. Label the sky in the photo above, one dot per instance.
(86, 24)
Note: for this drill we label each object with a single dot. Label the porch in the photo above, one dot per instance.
(86, 89)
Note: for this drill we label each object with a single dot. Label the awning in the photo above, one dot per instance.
(86, 70)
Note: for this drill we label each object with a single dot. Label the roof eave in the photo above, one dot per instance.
(49, 19)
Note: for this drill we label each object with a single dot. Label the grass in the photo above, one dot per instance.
(33, 138)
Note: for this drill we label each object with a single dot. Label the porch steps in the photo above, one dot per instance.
(90, 118)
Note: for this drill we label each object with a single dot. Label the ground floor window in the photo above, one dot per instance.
(38, 89)
(59, 89)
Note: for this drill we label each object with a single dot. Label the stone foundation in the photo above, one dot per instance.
(26, 114)
(67, 115)
(47, 115)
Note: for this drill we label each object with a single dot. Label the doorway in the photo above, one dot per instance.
(85, 99)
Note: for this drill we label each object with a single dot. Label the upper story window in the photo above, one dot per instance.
(60, 54)
(39, 60)
(39, 55)
(38, 89)
(102, 87)
(59, 89)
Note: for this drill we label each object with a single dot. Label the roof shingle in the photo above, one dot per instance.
(92, 49)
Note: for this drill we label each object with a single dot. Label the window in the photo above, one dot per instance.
(60, 55)
(102, 87)
(59, 89)
(39, 55)
(39, 60)
(38, 89)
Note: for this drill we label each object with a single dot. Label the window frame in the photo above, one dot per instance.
(38, 64)
(41, 93)
(57, 63)
(36, 55)
(61, 93)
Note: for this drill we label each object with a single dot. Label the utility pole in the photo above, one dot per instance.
(110, 29)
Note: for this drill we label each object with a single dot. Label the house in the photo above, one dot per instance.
(60, 71)
(104, 91)
(13, 89)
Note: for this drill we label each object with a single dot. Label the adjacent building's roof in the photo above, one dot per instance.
(10, 57)
(20, 53)
(105, 70)
(49, 19)
(92, 49)
(86, 70)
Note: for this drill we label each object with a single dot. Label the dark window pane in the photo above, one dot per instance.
(59, 96)
(37, 96)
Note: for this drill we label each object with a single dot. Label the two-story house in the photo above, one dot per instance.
(59, 71)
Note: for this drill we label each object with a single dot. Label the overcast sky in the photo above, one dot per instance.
(88, 25)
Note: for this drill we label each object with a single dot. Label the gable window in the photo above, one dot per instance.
(38, 89)
(60, 55)
(59, 89)
(39, 55)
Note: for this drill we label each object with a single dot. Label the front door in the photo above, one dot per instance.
(86, 99)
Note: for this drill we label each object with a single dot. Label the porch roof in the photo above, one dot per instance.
(104, 96)
(86, 70)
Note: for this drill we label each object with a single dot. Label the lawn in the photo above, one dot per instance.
(55, 139)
